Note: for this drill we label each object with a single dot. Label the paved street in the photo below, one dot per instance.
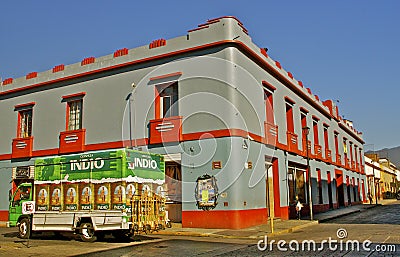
(373, 228)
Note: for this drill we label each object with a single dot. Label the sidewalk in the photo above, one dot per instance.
(280, 226)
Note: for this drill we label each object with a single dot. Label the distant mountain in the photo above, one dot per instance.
(393, 154)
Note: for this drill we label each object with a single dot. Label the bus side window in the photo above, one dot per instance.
(25, 193)
(17, 198)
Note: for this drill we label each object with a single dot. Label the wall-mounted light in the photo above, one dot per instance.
(244, 145)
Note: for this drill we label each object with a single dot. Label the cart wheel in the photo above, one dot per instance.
(148, 228)
(24, 228)
(136, 227)
(87, 232)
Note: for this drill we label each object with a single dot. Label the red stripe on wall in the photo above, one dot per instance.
(230, 219)
(3, 215)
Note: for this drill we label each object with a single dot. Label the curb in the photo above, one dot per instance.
(197, 234)
(338, 216)
(4, 224)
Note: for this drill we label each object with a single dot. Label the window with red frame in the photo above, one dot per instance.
(269, 105)
(289, 117)
(315, 131)
(74, 114)
(168, 104)
(326, 137)
(25, 123)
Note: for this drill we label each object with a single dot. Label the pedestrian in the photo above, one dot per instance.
(299, 205)
(370, 198)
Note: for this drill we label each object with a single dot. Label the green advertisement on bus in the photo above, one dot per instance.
(99, 166)
(107, 180)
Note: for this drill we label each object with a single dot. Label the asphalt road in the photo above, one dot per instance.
(372, 232)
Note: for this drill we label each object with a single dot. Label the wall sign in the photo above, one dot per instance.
(206, 192)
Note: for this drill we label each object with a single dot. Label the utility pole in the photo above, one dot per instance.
(306, 131)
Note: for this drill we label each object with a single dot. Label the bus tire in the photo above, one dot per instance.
(24, 228)
(87, 232)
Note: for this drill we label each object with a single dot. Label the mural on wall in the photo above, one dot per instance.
(206, 192)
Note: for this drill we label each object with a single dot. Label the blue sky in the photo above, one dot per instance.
(342, 50)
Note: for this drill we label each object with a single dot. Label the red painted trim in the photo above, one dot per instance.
(26, 105)
(31, 75)
(121, 52)
(157, 103)
(8, 81)
(225, 17)
(58, 68)
(304, 110)
(174, 74)
(22, 147)
(289, 100)
(199, 28)
(157, 43)
(166, 130)
(81, 94)
(276, 181)
(4, 157)
(248, 51)
(315, 118)
(300, 83)
(290, 74)
(88, 60)
(3, 215)
(264, 52)
(284, 210)
(268, 85)
(72, 141)
(231, 17)
(278, 64)
(226, 219)
(208, 23)
(221, 133)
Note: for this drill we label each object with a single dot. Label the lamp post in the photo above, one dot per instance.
(128, 98)
(306, 130)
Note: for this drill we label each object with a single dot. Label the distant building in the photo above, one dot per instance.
(235, 127)
(388, 182)
(373, 172)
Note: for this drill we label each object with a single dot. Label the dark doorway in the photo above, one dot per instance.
(330, 190)
(173, 181)
(339, 190)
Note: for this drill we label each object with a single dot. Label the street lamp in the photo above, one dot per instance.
(128, 98)
(306, 130)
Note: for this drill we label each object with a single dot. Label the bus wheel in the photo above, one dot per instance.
(87, 232)
(24, 228)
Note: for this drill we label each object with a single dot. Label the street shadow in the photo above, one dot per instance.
(68, 236)
(380, 214)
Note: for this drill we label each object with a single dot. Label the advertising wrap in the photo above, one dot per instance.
(103, 180)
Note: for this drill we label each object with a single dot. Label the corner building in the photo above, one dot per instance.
(222, 112)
